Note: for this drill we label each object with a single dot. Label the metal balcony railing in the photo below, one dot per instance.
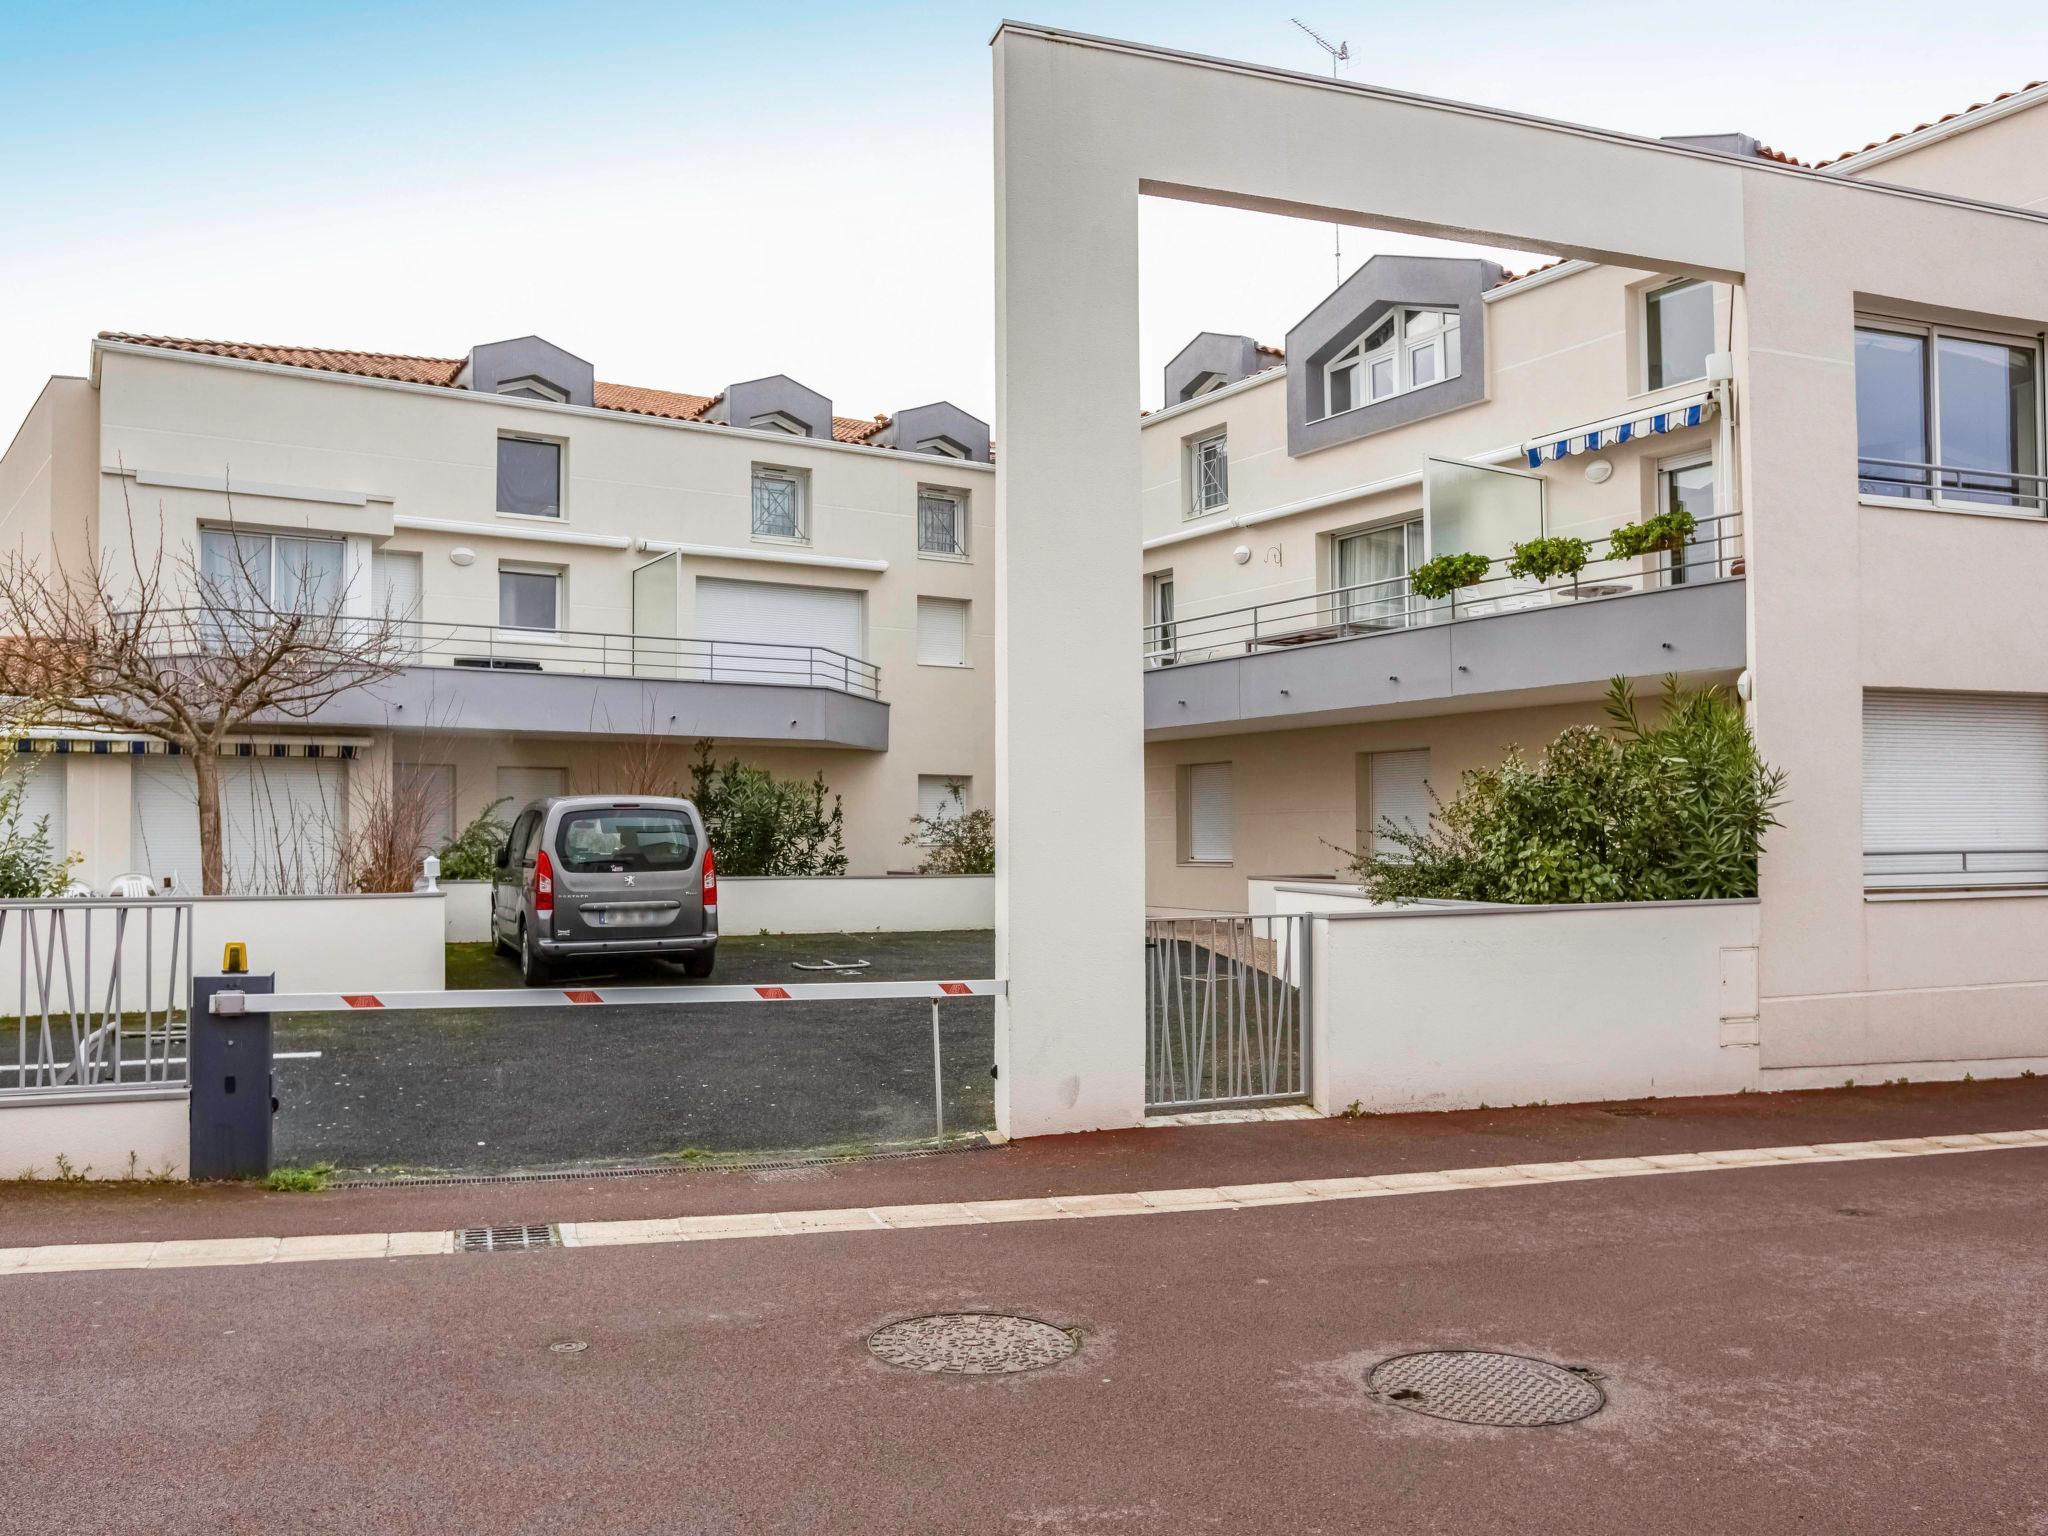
(1714, 553)
(591, 653)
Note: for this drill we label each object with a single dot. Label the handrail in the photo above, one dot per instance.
(1712, 552)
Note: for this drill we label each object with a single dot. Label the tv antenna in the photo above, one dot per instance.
(1340, 55)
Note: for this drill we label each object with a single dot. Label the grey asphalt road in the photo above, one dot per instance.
(1848, 1348)
(472, 1090)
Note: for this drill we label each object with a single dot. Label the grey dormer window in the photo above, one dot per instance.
(942, 523)
(778, 503)
(1209, 473)
(780, 421)
(529, 477)
(532, 386)
(1409, 349)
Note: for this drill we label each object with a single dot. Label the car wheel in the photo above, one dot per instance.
(698, 966)
(533, 970)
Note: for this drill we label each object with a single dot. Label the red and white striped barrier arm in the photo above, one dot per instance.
(231, 1003)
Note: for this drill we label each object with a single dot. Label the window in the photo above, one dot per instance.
(1688, 485)
(1947, 418)
(529, 598)
(1159, 629)
(1206, 813)
(614, 841)
(1408, 349)
(780, 421)
(529, 477)
(1955, 789)
(1370, 570)
(1393, 787)
(941, 797)
(942, 523)
(395, 595)
(261, 572)
(941, 632)
(1209, 474)
(531, 386)
(1678, 333)
(778, 503)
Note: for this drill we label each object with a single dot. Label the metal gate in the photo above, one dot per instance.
(1225, 1000)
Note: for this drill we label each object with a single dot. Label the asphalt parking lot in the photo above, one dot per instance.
(463, 1090)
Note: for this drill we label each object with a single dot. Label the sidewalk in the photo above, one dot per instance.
(1102, 1163)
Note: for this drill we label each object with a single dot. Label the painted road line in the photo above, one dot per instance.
(222, 1251)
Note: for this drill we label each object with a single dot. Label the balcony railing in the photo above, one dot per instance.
(1713, 553)
(589, 653)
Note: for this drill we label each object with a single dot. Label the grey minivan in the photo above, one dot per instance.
(594, 876)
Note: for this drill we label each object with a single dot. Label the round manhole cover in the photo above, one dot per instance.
(1476, 1387)
(972, 1343)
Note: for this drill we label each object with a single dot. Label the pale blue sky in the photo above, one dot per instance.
(689, 194)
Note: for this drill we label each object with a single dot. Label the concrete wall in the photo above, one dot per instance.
(131, 1135)
(1449, 1008)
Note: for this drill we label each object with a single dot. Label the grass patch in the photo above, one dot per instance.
(310, 1180)
(478, 967)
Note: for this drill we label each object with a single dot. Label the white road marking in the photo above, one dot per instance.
(219, 1251)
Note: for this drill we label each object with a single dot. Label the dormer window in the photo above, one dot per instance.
(944, 447)
(533, 387)
(780, 421)
(1202, 384)
(1408, 349)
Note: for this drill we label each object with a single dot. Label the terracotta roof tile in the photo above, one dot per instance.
(1907, 133)
(628, 399)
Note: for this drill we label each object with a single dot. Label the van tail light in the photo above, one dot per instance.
(710, 879)
(543, 883)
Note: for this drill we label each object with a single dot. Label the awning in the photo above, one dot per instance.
(81, 744)
(1670, 416)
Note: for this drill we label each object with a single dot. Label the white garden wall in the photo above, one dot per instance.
(138, 1135)
(749, 904)
(1450, 1007)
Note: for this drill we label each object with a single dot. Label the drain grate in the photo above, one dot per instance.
(505, 1239)
(1477, 1387)
(972, 1343)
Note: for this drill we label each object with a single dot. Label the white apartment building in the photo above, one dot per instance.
(580, 565)
(1298, 692)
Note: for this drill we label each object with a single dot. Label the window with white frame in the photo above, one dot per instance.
(288, 573)
(529, 597)
(941, 797)
(779, 511)
(529, 476)
(1370, 568)
(942, 523)
(941, 632)
(1955, 789)
(1686, 484)
(1393, 791)
(1207, 813)
(1678, 333)
(1209, 474)
(1406, 349)
(1946, 417)
(1159, 628)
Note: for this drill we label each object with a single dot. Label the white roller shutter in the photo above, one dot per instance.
(936, 799)
(281, 819)
(774, 614)
(1210, 812)
(524, 785)
(42, 794)
(1399, 783)
(941, 632)
(395, 594)
(1955, 787)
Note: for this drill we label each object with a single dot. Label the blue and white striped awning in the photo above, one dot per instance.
(1668, 416)
(88, 744)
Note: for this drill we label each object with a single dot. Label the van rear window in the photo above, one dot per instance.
(598, 840)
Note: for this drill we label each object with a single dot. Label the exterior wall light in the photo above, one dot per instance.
(462, 554)
(1599, 472)
(1242, 554)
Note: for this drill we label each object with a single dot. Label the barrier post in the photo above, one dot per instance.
(938, 1075)
(230, 1064)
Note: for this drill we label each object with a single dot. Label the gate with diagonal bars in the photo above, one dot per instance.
(1226, 1000)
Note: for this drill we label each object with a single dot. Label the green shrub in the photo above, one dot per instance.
(963, 843)
(472, 854)
(1665, 532)
(1664, 812)
(762, 825)
(31, 866)
(1446, 574)
(1541, 559)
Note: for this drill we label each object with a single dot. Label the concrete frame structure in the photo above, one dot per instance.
(1086, 126)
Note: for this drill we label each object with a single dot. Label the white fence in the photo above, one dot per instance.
(750, 904)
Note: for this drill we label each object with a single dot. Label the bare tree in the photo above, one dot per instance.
(190, 650)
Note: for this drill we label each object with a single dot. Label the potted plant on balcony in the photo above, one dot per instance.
(1440, 577)
(1542, 559)
(1666, 533)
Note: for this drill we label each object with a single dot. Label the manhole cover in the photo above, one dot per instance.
(569, 1347)
(1476, 1387)
(972, 1343)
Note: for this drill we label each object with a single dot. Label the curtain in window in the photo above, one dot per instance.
(938, 526)
(775, 508)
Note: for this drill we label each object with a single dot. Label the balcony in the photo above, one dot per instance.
(1378, 649)
(491, 678)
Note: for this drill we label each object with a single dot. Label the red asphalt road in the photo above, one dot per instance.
(1856, 1347)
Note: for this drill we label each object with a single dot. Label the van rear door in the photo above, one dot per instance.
(627, 871)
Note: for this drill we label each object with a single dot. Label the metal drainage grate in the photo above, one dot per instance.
(972, 1343)
(1477, 1387)
(505, 1239)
